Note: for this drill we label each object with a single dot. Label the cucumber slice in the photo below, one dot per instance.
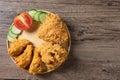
(36, 17)
(32, 12)
(11, 26)
(12, 34)
(42, 16)
(9, 38)
(15, 30)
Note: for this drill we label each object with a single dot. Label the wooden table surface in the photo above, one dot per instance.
(95, 31)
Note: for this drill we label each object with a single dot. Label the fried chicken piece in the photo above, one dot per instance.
(17, 46)
(37, 66)
(53, 29)
(24, 60)
(53, 55)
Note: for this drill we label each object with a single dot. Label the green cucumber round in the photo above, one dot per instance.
(42, 16)
(9, 38)
(32, 12)
(36, 17)
(11, 26)
(15, 30)
(10, 33)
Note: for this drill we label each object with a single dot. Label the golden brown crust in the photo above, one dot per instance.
(37, 66)
(53, 29)
(24, 60)
(52, 55)
(17, 46)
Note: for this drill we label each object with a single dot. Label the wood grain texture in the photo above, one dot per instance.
(95, 31)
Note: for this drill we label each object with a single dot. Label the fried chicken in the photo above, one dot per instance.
(17, 46)
(52, 55)
(24, 60)
(53, 29)
(37, 66)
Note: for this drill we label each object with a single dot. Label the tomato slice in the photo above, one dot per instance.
(23, 21)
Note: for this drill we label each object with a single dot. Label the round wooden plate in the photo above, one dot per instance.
(37, 41)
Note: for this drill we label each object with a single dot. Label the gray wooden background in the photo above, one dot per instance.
(95, 31)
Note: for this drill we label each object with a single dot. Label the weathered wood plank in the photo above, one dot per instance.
(95, 31)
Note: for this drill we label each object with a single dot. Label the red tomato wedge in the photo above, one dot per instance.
(23, 21)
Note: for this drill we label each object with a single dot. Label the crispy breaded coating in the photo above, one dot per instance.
(52, 55)
(17, 46)
(53, 29)
(24, 60)
(37, 66)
